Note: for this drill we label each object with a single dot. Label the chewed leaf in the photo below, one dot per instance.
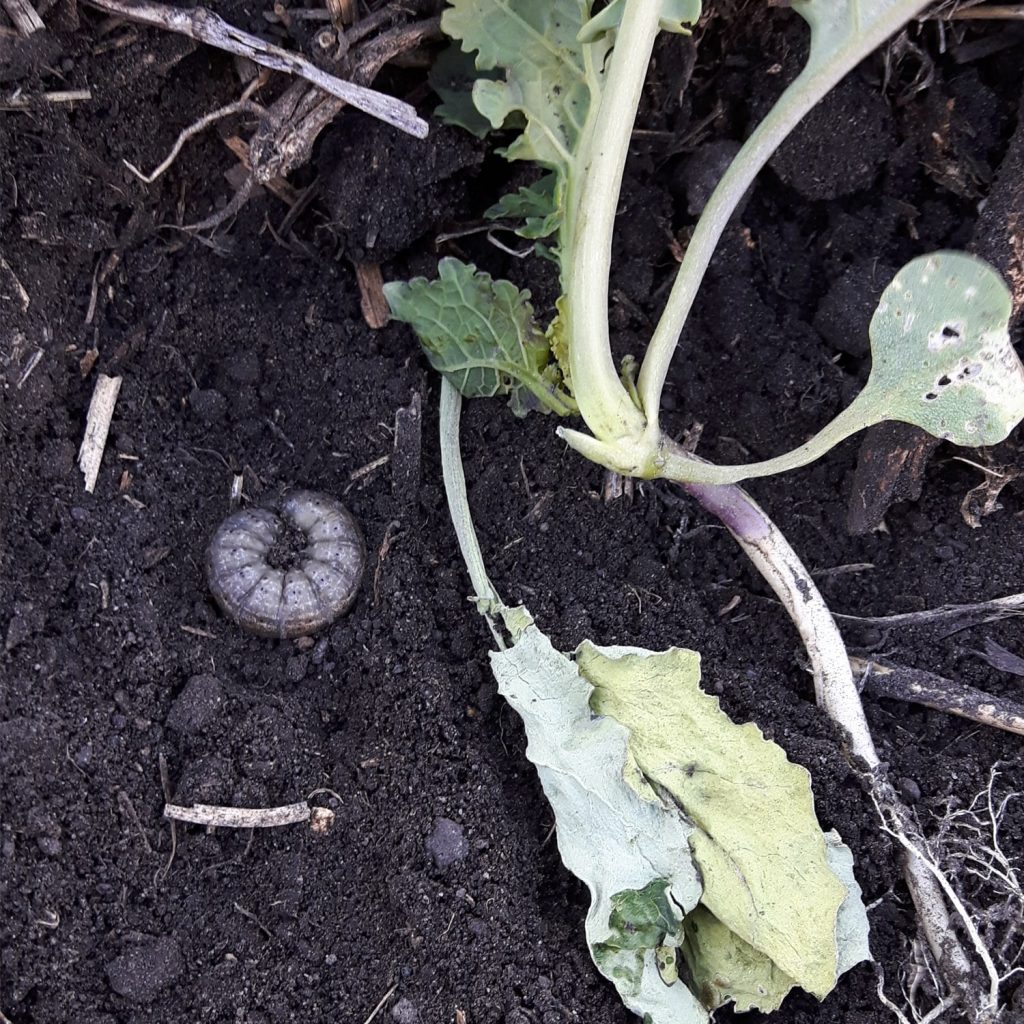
(480, 333)
(941, 359)
(941, 352)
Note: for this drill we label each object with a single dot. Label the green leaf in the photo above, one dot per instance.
(452, 76)
(630, 848)
(758, 844)
(534, 41)
(641, 918)
(534, 205)
(480, 333)
(676, 16)
(941, 356)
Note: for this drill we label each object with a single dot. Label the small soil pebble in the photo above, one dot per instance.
(447, 843)
(197, 705)
(910, 790)
(26, 621)
(701, 172)
(209, 405)
(403, 1012)
(140, 973)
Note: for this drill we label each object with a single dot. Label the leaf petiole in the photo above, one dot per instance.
(843, 32)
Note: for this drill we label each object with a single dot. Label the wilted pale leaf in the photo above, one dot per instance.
(760, 849)
(629, 847)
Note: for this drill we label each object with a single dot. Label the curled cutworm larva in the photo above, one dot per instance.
(289, 567)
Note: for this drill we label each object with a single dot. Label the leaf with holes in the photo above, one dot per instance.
(941, 356)
(941, 359)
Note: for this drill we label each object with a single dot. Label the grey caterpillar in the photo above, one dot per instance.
(287, 568)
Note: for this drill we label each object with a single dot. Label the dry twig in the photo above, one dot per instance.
(371, 295)
(239, 817)
(24, 16)
(206, 27)
(1002, 12)
(22, 101)
(291, 125)
(916, 686)
(960, 616)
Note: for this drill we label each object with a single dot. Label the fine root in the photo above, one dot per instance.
(246, 106)
(987, 898)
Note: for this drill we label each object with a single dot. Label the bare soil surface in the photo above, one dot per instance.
(440, 882)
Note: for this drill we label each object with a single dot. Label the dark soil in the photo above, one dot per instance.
(439, 882)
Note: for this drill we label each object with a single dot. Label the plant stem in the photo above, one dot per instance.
(779, 564)
(822, 72)
(486, 597)
(591, 202)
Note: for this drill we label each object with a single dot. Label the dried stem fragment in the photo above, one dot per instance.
(239, 817)
(206, 27)
(97, 426)
(24, 16)
(915, 686)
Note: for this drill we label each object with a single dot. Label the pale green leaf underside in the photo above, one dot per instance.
(630, 852)
(676, 16)
(760, 849)
(838, 24)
